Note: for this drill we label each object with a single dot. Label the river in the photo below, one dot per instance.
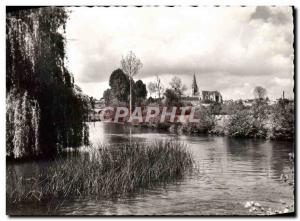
(231, 172)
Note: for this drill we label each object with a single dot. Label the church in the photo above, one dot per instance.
(204, 97)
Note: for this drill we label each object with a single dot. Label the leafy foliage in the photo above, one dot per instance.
(119, 83)
(177, 85)
(22, 125)
(260, 92)
(172, 98)
(107, 95)
(119, 90)
(249, 123)
(35, 50)
(283, 120)
(206, 122)
(156, 87)
(140, 91)
(151, 88)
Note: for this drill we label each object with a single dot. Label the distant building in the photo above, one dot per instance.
(206, 97)
(248, 102)
(228, 101)
(194, 101)
(211, 96)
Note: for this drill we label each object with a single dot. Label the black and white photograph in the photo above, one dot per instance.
(153, 110)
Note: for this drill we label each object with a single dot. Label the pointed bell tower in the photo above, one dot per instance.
(195, 90)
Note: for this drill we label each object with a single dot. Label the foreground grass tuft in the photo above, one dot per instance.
(114, 170)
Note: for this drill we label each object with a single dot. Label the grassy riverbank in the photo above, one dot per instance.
(115, 170)
(261, 120)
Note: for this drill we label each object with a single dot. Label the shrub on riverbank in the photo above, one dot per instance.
(112, 171)
(206, 122)
(243, 124)
(249, 123)
(194, 128)
(283, 120)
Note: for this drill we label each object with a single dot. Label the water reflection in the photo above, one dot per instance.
(232, 171)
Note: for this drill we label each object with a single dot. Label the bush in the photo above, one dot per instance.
(194, 128)
(205, 124)
(283, 120)
(249, 123)
(243, 124)
(172, 98)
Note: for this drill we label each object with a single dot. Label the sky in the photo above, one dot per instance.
(229, 49)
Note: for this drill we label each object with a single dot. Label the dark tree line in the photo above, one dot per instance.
(35, 61)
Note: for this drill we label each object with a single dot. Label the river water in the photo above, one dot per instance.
(232, 172)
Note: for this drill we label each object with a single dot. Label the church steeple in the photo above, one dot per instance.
(194, 87)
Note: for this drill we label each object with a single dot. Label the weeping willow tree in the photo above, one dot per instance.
(22, 123)
(45, 110)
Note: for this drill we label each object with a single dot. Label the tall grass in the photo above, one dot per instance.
(114, 170)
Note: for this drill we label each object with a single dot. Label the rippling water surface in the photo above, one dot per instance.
(232, 171)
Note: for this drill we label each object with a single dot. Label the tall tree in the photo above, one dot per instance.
(131, 65)
(35, 62)
(92, 102)
(159, 86)
(140, 91)
(151, 88)
(107, 95)
(260, 92)
(177, 85)
(172, 97)
(156, 87)
(119, 83)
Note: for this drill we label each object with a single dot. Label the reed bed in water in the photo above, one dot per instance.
(114, 170)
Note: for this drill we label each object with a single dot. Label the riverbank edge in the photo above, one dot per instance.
(176, 127)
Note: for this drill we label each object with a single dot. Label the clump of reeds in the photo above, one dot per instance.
(114, 170)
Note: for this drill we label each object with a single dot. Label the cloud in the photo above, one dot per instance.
(225, 47)
(275, 15)
(261, 12)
